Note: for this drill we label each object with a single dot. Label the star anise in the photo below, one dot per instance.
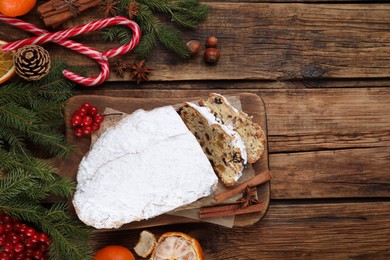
(110, 7)
(120, 68)
(139, 72)
(133, 9)
(248, 197)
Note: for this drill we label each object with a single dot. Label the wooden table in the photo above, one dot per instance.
(323, 72)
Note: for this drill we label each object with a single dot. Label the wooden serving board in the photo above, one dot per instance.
(251, 104)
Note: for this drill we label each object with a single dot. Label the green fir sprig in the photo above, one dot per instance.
(176, 13)
(30, 115)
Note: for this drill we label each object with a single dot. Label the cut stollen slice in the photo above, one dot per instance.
(146, 244)
(251, 133)
(223, 147)
(178, 246)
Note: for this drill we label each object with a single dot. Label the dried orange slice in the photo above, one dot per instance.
(146, 244)
(177, 246)
(7, 68)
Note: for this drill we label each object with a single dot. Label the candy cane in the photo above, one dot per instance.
(59, 37)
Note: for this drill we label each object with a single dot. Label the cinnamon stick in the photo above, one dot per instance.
(253, 182)
(56, 12)
(228, 210)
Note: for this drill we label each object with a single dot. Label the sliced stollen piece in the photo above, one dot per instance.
(146, 165)
(250, 132)
(222, 145)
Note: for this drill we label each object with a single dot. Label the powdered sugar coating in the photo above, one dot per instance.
(146, 165)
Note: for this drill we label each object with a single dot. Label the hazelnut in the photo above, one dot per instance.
(212, 42)
(193, 47)
(211, 55)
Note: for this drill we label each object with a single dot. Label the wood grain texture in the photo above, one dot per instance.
(323, 143)
(298, 231)
(268, 41)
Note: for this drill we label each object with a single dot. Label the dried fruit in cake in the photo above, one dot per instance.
(7, 68)
(178, 246)
(114, 252)
(222, 146)
(250, 132)
(146, 244)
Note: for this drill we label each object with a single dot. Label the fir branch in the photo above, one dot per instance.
(183, 13)
(171, 39)
(146, 45)
(59, 186)
(12, 186)
(51, 140)
(67, 235)
(15, 116)
(15, 141)
(31, 111)
(15, 92)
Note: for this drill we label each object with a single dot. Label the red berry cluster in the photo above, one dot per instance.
(18, 241)
(86, 120)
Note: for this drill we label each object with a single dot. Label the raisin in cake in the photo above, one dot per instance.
(146, 165)
(223, 146)
(250, 132)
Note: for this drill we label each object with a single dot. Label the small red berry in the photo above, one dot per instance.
(8, 247)
(18, 247)
(87, 130)
(37, 254)
(6, 218)
(35, 238)
(95, 126)
(29, 231)
(29, 251)
(20, 256)
(43, 238)
(76, 120)
(22, 228)
(87, 120)
(78, 132)
(93, 111)
(2, 240)
(8, 227)
(13, 237)
(99, 118)
(82, 112)
(28, 243)
(4, 255)
(2, 228)
(86, 105)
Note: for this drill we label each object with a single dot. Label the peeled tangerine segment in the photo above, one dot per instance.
(177, 246)
(146, 244)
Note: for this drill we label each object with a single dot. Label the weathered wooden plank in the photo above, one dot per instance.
(351, 173)
(301, 119)
(311, 133)
(309, 231)
(269, 41)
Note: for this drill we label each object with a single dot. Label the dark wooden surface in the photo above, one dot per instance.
(322, 69)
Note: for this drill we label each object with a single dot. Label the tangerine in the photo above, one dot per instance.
(13, 8)
(114, 253)
(178, 246)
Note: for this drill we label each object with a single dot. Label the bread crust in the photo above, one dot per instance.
(217, 144)
(250, 132)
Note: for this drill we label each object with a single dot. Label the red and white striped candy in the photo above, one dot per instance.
(61, 38)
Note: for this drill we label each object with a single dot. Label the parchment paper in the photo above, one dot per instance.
(191, 210)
